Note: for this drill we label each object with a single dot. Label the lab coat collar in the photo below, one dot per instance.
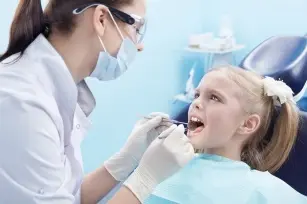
(86, 100)
(65, 90)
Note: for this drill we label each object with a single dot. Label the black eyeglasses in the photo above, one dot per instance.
(136, 21)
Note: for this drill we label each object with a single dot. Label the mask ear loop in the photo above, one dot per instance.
(121, 35)
(103, 46)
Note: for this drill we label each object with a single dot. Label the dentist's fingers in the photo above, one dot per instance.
(167, 132)
(151, 123)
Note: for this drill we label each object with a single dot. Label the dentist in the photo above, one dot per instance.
(45, 104)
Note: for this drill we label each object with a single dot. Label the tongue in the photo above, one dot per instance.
(198, 129)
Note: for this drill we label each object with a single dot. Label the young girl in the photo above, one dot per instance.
(243, 127)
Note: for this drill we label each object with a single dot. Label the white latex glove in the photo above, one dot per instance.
(121, 164)
(162, 159)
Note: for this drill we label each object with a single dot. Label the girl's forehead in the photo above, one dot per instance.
(219, 80)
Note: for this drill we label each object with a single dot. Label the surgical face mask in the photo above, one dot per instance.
(109, 67)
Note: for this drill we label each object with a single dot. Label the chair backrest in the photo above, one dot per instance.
(294, 170)
(281, 57)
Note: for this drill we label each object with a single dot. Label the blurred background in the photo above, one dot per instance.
(183, 39)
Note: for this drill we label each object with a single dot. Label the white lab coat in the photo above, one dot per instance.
(43, 119)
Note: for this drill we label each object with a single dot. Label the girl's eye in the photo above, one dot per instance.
(196, 95)
(215, 98)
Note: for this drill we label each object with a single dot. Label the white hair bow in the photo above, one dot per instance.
(278, 90)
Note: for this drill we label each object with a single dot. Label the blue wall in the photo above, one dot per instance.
(161, 70)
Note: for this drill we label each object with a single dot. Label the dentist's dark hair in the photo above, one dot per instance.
(30, 21)
(26, 26)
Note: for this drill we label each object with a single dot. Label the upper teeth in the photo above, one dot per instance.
(194, 119)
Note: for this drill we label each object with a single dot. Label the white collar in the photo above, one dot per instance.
(65, 88)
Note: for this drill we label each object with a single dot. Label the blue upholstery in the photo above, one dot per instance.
(282, 57)
(303, 104)
(294, 169)
(285, 58)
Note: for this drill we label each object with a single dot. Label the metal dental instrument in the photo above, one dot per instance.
(169, 120)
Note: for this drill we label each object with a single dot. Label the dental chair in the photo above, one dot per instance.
(283, 58)
(294, 169)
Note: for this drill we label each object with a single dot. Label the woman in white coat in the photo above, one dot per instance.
(45, 104)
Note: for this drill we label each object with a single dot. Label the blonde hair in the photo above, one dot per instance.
(270, 146)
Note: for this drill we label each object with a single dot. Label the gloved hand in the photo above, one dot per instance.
(162, 159)
(121, 164)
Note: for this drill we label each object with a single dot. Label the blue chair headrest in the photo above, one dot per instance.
(281, 57)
